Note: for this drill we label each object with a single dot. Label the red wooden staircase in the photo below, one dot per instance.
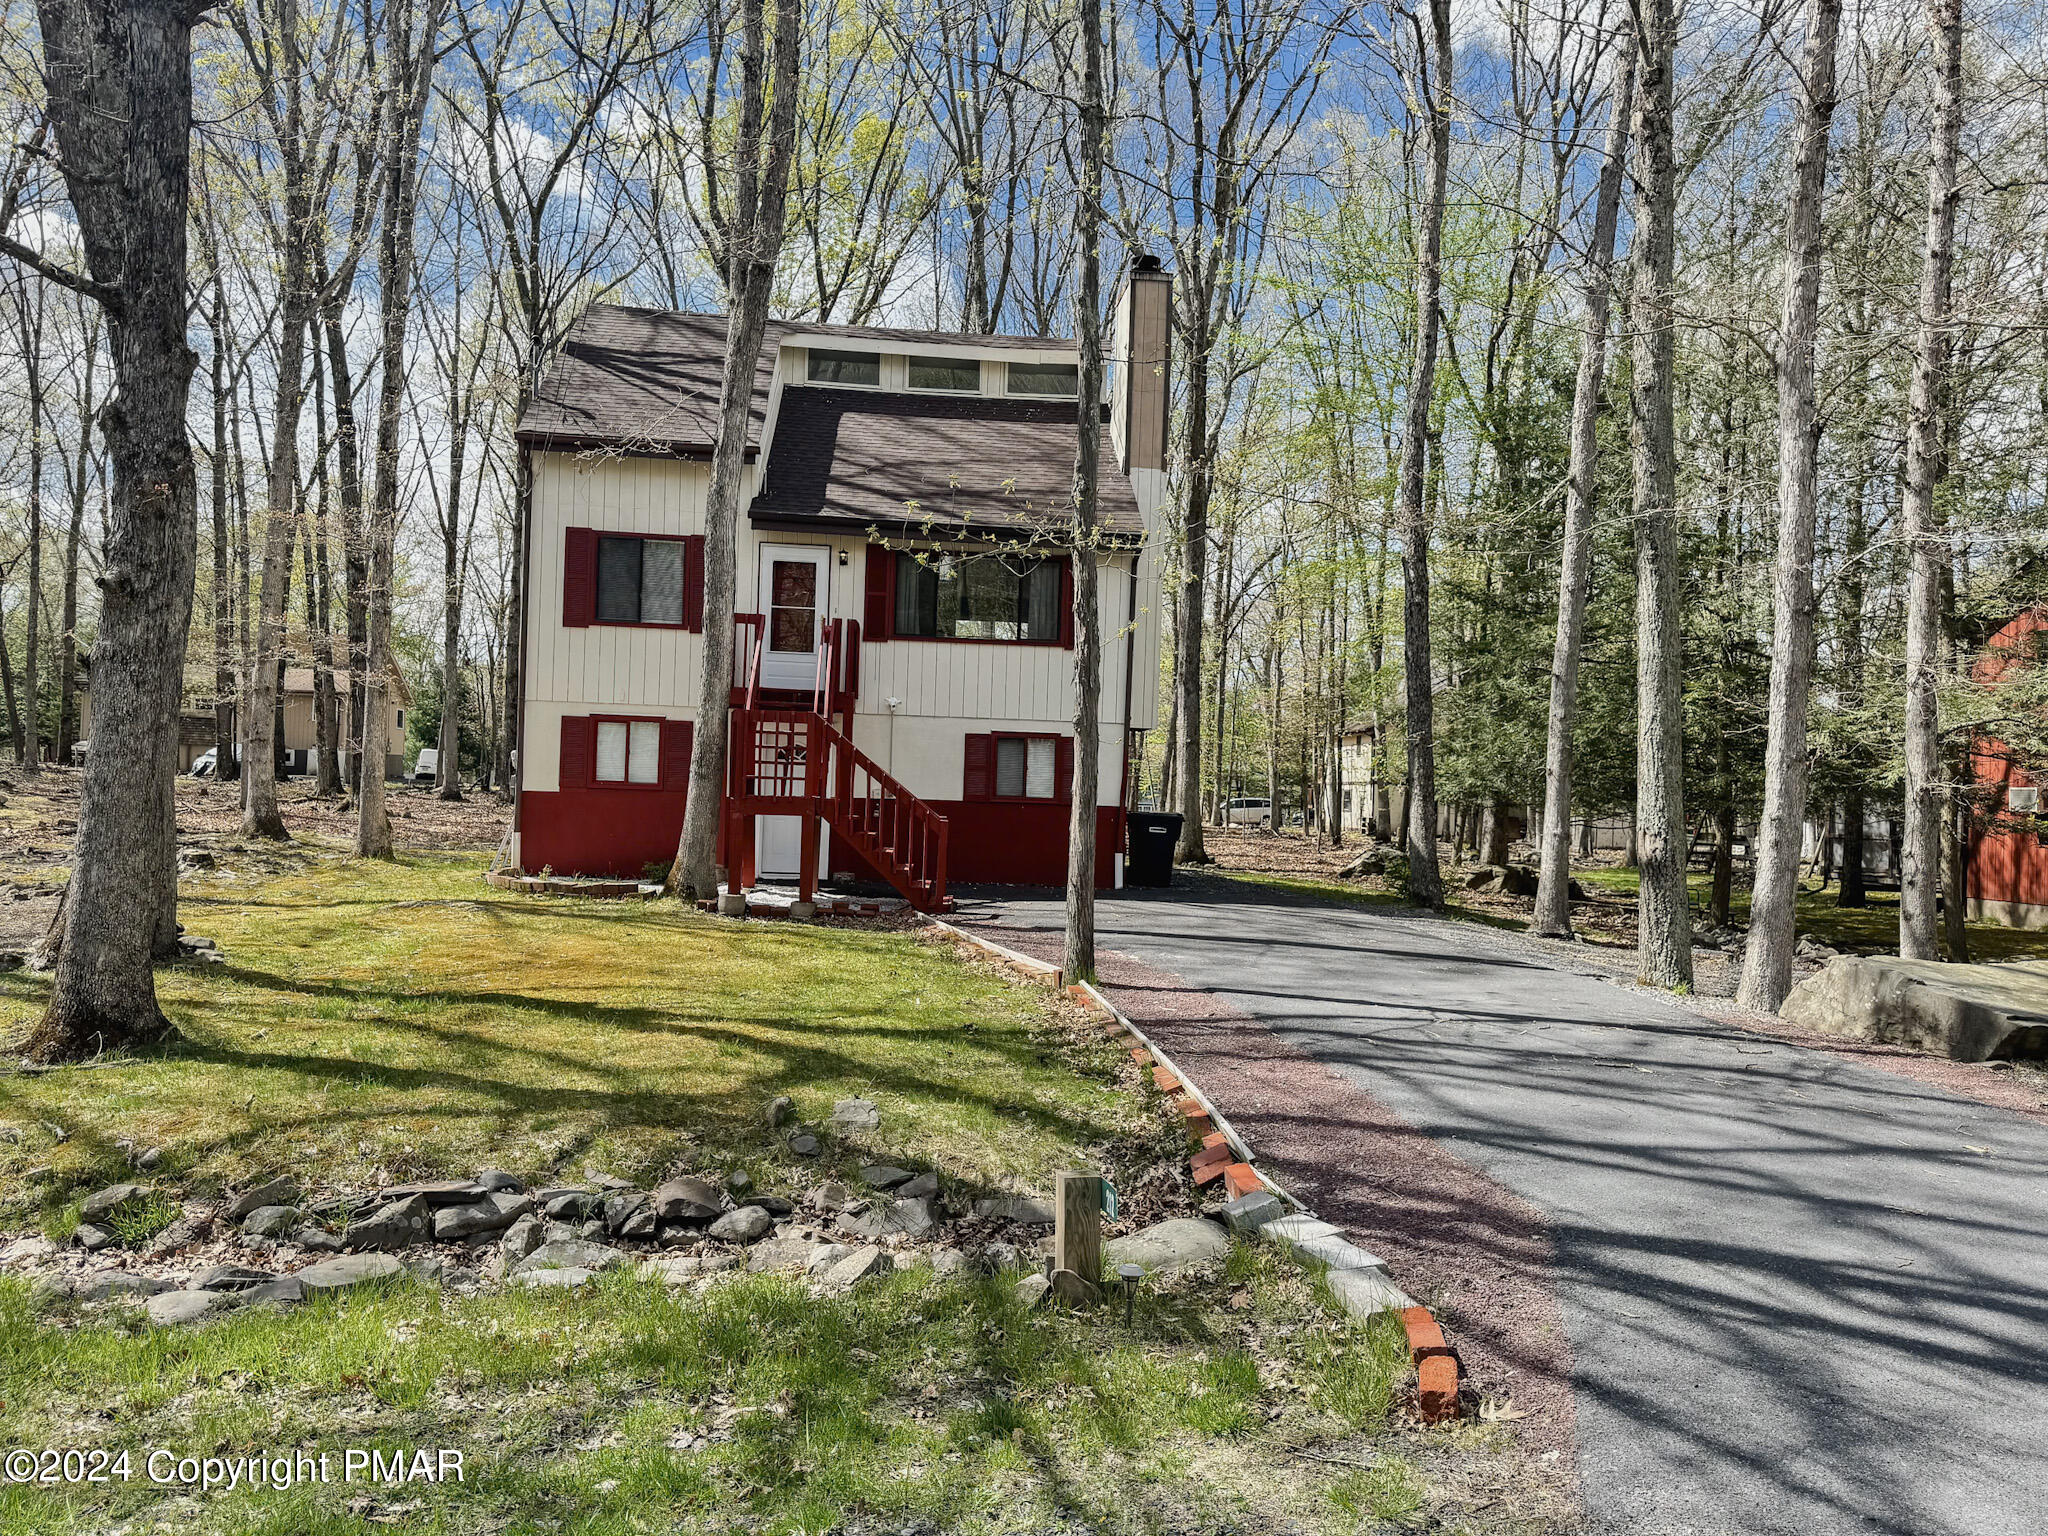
(786, 759)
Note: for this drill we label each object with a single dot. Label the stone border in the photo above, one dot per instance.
(1258, 1205)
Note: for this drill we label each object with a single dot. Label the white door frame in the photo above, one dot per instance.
(790, 669)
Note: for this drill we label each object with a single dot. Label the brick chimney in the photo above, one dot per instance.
(1139, 355)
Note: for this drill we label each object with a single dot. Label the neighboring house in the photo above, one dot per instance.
(2008, 862)
(902, 698)
(301, 739)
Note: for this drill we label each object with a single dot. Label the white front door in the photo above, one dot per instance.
(793, 594)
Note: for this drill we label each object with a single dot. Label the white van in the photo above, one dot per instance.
(1247, 812)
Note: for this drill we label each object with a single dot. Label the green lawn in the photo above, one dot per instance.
(400, 1021)
(1873, 928)
(408, 1021)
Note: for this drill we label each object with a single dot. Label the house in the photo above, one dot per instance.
(196, 726)
(901, 706)
(2007, 870)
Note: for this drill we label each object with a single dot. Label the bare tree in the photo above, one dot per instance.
(1767, 962)
(1093, 116)
(1553, 891)
(119, 81)
(409, 55)
(1664, 918)
(30, 309)
(1926, 464)
(750, 234)
(1433, 96)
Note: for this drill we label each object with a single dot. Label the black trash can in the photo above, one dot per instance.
(1152, 835)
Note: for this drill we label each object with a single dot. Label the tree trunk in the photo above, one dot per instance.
(763, 156)
(448, 772)
(1920, 872)
(1079, 958)
(120, 98)
(409, 58)
(224, 740)
(1553, 891)
(1773, 910)
(1425, 879)
(1664, 918)
(30, 745)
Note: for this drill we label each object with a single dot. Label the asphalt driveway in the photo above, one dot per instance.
(1802, 1295)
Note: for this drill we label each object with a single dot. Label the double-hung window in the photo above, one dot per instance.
(639, 580)
(1025, 767)
(628, 752)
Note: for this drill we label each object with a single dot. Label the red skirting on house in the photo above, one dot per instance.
(620, 833)
(615, 832)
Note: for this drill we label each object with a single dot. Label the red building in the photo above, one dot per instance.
(2008, 865)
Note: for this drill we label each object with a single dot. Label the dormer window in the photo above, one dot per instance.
(959, 376)
(845, 368)
(1061, 381)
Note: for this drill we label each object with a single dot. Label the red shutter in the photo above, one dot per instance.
(676, 736)
(579, 578)
(1067, 602)
(577, 750)
(979, 781)
(1063, 769)
(693, 582)
(850, 671)
(881, 593)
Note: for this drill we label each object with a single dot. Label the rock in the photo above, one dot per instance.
(738, 1183)
(715, 1263)
(883, 1176)
(521, 1238)
(569, 1204)
(781, 1253)
(564, 1279)
(1025, 1210)
(168, 1309)
(1169, 1248)
(923, 1187)
(861, 1265)
(26, 1250)
(852, 1116)
(669, 1271)
(150, 1159)
(91, 1238)
(622, 1211)
(319, 1239)
(611, 1182)
(1248, 1213)
(433, 1191)
(494, 1213)
(687, 1199)
(101, 1204)
(1033, 1289)
(948, 1261)
(804, 1144)
(497, 1182)
(830, 1196)
(825, 1255)
(781, 1110)
(228, 1277)
(880, 1218)
(352, 1269)
(116, 1282)
(994, 1258)
(744, 1225)
(278, 1191)
(775, 1205)
(287, 1292)
(1503, 880)
(271, 1221)
(1964, 1012)
(1070, 1287)
(592, 1231)
(396, 1226)
(428, 1271)
(573, 1254)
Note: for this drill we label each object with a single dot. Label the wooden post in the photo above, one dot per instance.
(1077, 1226)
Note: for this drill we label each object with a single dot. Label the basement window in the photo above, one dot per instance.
(628, 752)
(1024, 767)
(844, 367)
(978, 597)
(1060, 381)
(954, 375)
(639, 581)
